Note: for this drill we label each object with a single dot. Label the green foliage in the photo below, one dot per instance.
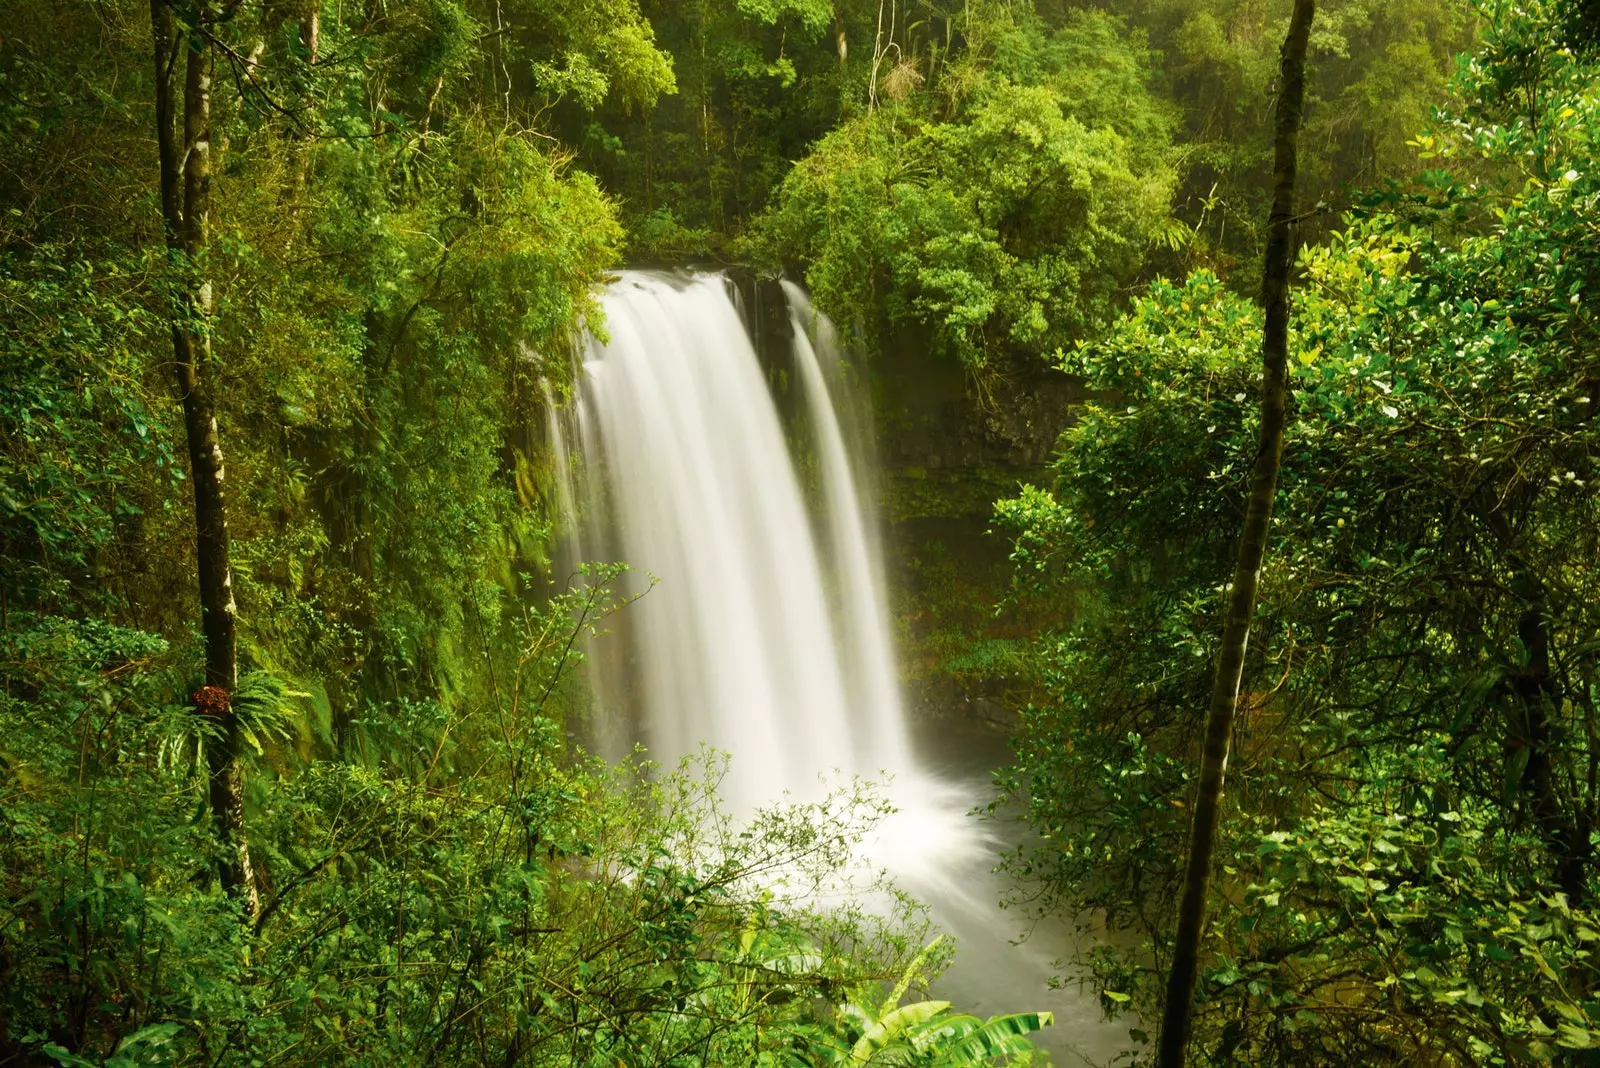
(1410, 858)
(925, 1033)
(399, 250)
(1099, 66)
(1376, 72)
(1412, 900)
(266, 708)
(525, 904)
(811, 14)
(399, 254)
(757, 80)
(762, 83)
(607, 51)
(1006, 224)
(401, 246)
(82, 424)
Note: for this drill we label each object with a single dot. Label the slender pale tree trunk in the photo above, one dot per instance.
(311, 31)
(1179, 1005)
(185, 148)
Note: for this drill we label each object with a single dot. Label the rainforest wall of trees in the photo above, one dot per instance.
(291, 758)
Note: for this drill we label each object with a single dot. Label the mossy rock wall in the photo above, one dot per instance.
(949, 449)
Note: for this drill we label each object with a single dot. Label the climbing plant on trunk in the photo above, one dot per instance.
(1241, 602)
(183, 132)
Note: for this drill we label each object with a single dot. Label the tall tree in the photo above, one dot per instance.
(1252, 544)
(183, 132)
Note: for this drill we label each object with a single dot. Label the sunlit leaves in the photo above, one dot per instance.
(1003, 229)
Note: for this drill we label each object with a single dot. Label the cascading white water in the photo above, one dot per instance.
(863, 637)
(767, 636)
(737, 647)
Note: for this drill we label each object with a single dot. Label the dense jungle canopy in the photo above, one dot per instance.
(295, 761)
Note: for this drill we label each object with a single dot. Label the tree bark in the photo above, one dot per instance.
(185, 175)
(1178, 1010)
(311, 32)
(1538, 694)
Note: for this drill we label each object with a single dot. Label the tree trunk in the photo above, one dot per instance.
(185, 192)
(1179, 1005)
(311, 32)
(1538, 694)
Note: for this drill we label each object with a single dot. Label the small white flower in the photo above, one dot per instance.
(1390, 410)
(1238, 398)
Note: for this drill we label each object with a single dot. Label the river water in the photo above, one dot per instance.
(766, 632)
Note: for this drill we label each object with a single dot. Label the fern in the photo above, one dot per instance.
(266, 709)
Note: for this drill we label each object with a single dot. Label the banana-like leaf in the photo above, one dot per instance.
(892, 1026)
(908, 978)
(1001, 1036)
(943, 1030)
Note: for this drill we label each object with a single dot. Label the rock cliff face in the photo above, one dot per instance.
(933, 417)
(949, 453)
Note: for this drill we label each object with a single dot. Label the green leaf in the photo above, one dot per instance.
(66, 1059)
(1001, 1036)
(892, 1026)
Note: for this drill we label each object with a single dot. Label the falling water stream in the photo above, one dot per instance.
(767, 633)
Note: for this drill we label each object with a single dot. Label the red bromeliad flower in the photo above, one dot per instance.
(211, 700)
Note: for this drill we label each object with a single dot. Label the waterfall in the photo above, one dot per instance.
(766, 632)
(739, 645)
(863, 629)
(763, 626)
